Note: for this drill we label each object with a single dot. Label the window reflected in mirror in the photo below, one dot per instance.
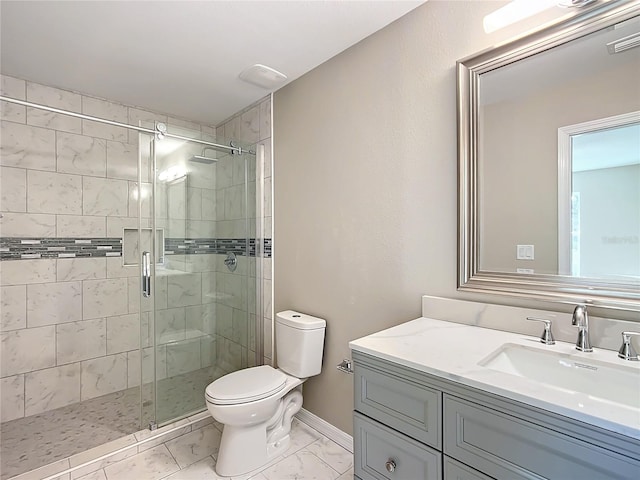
(604, 219)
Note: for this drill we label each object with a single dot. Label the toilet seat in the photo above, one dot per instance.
(247, 385)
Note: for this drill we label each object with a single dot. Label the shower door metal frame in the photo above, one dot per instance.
(231, 148)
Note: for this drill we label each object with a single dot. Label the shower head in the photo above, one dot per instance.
(202, 158)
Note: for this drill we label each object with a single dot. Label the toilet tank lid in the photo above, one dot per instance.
(301, 321)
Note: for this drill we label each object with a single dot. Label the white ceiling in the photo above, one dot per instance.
(180, 57)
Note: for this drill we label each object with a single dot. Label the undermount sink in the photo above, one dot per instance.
(604, 381)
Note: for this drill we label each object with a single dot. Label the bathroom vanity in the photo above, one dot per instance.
(436, 399)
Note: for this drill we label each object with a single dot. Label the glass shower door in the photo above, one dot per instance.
(200, 289)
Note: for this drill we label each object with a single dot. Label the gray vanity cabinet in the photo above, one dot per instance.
(414, 409)
(454, 470)
(410, 425)
(385, 453)
(510, 447)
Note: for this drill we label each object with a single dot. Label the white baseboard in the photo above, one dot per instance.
(332, 433)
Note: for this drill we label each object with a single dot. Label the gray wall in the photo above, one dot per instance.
(365, 183)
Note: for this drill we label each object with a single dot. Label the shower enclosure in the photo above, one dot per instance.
(196, 213)
(132, 323)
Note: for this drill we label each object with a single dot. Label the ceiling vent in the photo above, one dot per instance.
(624, 43)
(263, 76)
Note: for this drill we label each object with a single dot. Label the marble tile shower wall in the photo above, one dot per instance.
(71, 327)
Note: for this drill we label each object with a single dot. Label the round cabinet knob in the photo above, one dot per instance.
(390, 466)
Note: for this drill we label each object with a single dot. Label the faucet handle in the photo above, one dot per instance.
(627, 351)
(547, 336)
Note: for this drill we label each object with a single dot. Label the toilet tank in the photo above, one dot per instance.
(299, 343)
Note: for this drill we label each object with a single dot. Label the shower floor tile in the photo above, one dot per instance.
(31, 442)
(184, 393)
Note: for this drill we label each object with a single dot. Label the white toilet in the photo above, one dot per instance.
(256, 405)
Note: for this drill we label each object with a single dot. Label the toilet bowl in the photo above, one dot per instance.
(256, 405)
(255, 429)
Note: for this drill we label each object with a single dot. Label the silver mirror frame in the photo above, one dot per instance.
(550, 288)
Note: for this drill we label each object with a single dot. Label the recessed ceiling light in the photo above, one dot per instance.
(263, 76)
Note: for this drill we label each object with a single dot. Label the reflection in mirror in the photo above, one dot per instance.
(550, 161)
(522, 108)
(599, 205)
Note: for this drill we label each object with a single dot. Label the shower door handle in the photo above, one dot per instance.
(146, 274)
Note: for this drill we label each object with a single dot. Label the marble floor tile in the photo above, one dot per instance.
(302, 465)
(97, 475)
(299, 465)
(349, 475)
(301, 435)
(259, 476)
(195, 445)
(202, 470)
(253, 474)
(331, 453)
(152, 464)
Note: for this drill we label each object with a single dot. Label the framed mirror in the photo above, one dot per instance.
(549, 162)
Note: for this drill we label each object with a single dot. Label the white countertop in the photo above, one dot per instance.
(453, 351)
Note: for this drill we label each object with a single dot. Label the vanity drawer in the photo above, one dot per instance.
(407, 406)
(459, 471)
(382, 453)
(508, 447)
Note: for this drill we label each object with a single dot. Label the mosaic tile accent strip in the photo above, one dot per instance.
(195, 246)
(19, 248)
(189, 246)
(13, 248)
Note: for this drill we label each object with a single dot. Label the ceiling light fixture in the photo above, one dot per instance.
(520, 9)
(263, 76)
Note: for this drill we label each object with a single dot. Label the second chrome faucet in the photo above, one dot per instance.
(580, 319)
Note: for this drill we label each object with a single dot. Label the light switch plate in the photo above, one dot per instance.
(524, 252)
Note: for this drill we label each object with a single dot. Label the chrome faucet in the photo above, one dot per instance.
(580, 319)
